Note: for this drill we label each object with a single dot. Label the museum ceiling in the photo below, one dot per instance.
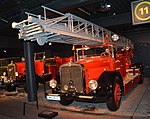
(92, 10)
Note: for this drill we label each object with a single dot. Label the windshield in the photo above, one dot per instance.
(39, 56)
(88, 52)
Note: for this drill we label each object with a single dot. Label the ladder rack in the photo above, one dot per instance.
(67, 28)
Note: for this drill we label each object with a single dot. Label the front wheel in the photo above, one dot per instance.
(10, 88)
(113, 103)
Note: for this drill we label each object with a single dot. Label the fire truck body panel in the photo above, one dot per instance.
(95, 66)
(47, 66)
(39, 67)
(20, 67)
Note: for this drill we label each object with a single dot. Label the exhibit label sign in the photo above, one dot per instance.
(140, 12)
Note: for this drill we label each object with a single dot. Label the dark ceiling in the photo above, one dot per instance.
(90, 9)
(117, 18)
(13, 10)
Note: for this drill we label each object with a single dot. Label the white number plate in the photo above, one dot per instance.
(52, 97)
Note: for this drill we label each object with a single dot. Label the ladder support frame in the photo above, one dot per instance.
(43, 30)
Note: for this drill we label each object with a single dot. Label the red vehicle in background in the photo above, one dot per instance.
(52, 64)
(45, 70)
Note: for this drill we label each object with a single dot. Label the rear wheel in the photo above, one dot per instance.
(113, 103)
(141, 78)
(141, 67)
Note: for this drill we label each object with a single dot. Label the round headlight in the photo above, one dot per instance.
(53, 83)
(16, 73)
(65, 87)
(93, 84)
(4, 73)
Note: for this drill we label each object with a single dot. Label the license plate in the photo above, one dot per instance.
(52, 97)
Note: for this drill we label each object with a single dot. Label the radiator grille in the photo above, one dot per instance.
(72, 72)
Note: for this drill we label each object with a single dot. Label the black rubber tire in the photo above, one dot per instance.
(112, 105)
(141, 66)
(66, 100)
(10, 88)
(141, 80)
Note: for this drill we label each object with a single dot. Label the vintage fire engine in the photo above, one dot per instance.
(103, 70)
(45, 69)
(15, 73)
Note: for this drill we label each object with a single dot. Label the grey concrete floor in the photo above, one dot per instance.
(135, 105)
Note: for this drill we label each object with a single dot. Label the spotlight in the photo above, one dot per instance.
(104, 6)
(4, 51)
(115, 37)
(49, 43)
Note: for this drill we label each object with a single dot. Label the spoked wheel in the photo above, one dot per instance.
(117, 94)
(113, 103)
(65, 100)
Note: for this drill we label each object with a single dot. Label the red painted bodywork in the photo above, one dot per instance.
(41, 67)
(20, 67)
(94, 66)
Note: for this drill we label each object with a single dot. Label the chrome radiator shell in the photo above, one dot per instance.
(71, 75)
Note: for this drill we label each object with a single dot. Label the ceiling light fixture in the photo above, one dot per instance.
(104, 6)
(4, 51)
(3, 20)
(84, 11)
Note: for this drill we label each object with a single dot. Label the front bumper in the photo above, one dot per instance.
(79, 98)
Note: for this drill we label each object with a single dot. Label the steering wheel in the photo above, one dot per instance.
(104, 54)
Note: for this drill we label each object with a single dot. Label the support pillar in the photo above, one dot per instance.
(30, 71)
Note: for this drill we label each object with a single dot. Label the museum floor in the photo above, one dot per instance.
(135, 105)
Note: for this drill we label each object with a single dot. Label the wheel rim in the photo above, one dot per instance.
(117, 94)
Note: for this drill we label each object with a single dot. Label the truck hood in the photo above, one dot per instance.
(96, 59)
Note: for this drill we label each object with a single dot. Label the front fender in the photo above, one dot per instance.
(106, 81)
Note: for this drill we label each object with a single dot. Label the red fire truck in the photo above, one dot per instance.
(103, 70)
(45, 70)
(100, 73)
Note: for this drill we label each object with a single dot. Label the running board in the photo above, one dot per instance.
(86, 97)
(130, 80)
